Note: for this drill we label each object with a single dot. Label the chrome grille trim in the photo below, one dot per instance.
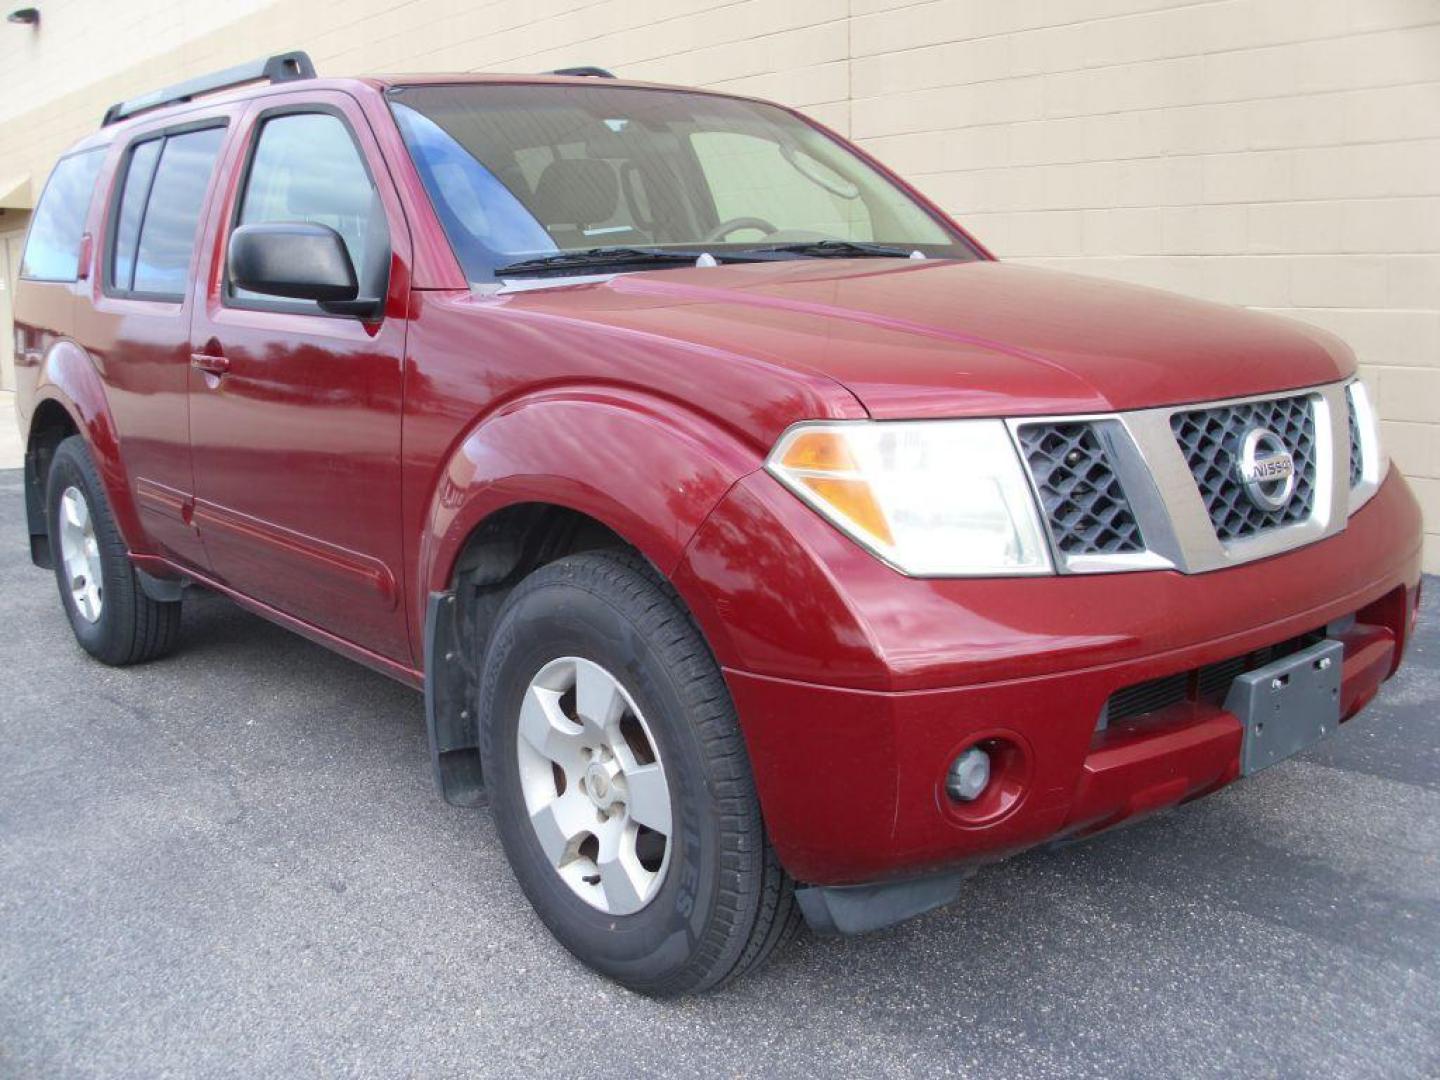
(1161, 487)
(1366, 475)
(1357, 454)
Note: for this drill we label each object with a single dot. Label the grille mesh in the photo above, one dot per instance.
(1148, 697)
(1357, 461)
(1209, 684)
(1210, 440)
(1083, 500)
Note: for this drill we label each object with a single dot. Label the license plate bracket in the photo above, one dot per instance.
(1287, 705)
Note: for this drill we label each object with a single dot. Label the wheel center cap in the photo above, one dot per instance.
(600, 783)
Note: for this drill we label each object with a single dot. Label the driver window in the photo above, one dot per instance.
(751, 177)
(307, 168)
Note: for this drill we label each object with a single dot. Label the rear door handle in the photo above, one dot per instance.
(208, 362)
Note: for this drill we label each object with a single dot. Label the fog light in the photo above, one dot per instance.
(969, 773)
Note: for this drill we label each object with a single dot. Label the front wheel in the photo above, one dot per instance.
(112, 618)
(619, 780)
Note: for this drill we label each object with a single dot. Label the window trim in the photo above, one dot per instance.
(257, 130)
(117, 195)
(34, 217)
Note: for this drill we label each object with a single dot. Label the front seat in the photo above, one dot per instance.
(574, 194)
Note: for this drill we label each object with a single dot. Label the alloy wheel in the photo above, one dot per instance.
(80, 554)
(594, 785)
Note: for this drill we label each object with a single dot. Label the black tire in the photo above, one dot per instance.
(131, 627)
(724, 903)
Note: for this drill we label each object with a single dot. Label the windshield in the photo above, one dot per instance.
(520, 173)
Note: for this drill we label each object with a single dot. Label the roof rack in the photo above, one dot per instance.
(590, 72)
(282, 67)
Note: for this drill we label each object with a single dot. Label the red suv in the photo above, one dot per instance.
(762, 545)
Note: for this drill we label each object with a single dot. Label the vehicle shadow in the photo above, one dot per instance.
(273, 801)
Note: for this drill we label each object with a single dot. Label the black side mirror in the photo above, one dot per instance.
(299, 261)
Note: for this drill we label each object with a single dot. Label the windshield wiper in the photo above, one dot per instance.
(837, 249)
(598, 257)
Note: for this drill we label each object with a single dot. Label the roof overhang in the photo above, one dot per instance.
(15, 193)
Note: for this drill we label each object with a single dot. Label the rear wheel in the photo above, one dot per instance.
(619, 780)
(112, 618)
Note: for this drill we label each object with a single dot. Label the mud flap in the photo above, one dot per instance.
(449, 719)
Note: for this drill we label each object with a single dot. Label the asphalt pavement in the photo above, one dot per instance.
(233, 863)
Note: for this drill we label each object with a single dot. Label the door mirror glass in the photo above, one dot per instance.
(296, 260)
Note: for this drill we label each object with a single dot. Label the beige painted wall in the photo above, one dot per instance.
(11, 245)
(1283, 154)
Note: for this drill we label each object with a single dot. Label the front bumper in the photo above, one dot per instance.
(856, 686)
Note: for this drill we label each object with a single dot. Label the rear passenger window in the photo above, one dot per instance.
(159, 213)
(306, 167)
(132, 210)
(52, 253)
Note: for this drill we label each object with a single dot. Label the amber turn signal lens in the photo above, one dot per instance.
(821, 451)
(811, 455)
(854, 500)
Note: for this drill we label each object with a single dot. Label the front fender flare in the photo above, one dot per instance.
(647, 469)
(649, 472)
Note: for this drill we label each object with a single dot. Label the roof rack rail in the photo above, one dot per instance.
(591, 72)
(282, 67)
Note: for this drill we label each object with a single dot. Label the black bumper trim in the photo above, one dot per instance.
(858, 909)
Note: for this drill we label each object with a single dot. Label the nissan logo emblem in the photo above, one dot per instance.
(1267, 470)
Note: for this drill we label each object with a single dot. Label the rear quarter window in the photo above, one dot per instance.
(52, 252)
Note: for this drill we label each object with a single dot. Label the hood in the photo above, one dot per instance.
(923, 339)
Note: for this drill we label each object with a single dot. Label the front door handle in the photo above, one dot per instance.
(209, 363)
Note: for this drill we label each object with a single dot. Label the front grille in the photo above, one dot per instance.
(1210, 440)
(1357, 460)
(1148, 697)
(1085, 506)
(1209, 684)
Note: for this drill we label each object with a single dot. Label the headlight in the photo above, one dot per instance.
(1373, 459)
(934, 498)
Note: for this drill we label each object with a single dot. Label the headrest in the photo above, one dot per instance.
(576, 191)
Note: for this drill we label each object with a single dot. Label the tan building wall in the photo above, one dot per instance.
(1283, 154)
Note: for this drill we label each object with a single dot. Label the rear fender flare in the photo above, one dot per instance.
(69, 378)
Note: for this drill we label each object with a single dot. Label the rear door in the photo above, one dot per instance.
(136, 326)
(295, 413)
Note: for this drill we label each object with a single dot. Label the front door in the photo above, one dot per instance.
(295, 413)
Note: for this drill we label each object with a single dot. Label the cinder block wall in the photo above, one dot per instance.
(1282, 154)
